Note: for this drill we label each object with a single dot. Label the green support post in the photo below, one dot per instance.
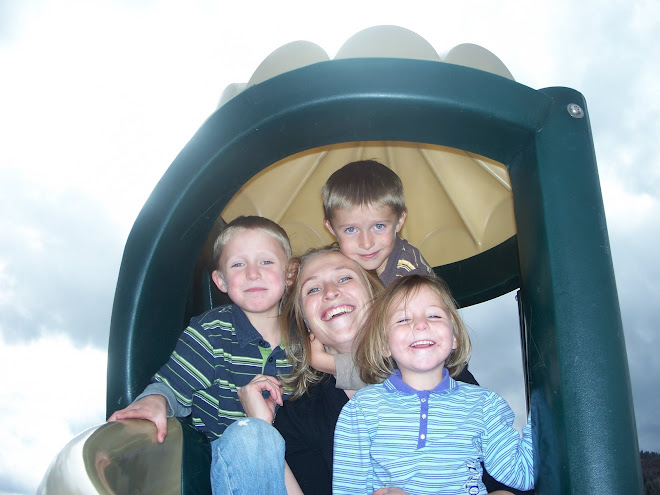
(585, 435)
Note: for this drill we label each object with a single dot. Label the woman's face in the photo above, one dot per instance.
(334, 299)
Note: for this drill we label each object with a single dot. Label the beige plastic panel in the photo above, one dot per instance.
(387, 41)
(459, 204)
(376, 41)
(118, 458)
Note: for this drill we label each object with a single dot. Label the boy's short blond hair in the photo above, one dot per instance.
(362, 183)
(250, 222)
(372, 356)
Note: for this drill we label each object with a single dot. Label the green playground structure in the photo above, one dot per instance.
(476, 136)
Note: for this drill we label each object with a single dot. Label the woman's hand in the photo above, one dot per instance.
(261, 396)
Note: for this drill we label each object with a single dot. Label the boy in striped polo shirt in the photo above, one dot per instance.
(228, 346)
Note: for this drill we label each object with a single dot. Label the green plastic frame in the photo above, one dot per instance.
(585, 437)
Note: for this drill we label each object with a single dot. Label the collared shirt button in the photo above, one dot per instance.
(422, 436)
(423, 399)
(423, 416)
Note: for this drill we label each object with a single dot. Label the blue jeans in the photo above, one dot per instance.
(248, 458)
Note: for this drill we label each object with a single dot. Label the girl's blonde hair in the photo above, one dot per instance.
(372, 356)
(292, 320)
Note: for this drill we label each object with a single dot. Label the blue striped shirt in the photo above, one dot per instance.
(217, 354)
(428, 442)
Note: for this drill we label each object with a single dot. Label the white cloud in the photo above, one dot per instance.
(50, 392)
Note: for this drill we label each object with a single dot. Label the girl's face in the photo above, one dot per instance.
(420, 337)
(334, 298)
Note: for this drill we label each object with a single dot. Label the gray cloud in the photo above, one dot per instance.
(61, 255)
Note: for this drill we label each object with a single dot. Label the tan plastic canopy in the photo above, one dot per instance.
(459, 204)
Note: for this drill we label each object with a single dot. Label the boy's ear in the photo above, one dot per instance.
(402, 218)
(218, 281)
(326, 222)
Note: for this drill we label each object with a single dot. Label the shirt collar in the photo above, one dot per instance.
(396, 384)
(245, 331)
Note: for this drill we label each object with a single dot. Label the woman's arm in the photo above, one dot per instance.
(292, 486)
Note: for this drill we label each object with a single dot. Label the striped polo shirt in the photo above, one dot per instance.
(429, 441)
(218, 353)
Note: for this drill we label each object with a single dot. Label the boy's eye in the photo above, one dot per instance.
(237, 265)
(379, 226)
(350, 230)
(267, 262)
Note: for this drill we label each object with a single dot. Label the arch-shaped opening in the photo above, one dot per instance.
(561, 251)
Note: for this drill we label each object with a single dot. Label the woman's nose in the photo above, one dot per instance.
(331, 291)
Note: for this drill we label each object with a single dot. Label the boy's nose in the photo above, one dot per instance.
(252, 272)
(366, 240)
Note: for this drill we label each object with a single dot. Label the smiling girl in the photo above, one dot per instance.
(419, 431)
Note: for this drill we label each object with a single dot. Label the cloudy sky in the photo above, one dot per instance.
(97, 98)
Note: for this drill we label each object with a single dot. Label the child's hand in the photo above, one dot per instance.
(389, 491)
(260, 397)
(320, 359)
(151, 407)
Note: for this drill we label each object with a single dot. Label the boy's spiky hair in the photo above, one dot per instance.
(251, 222)
(361, 183)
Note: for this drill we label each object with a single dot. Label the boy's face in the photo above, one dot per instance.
(251, 270)
(366, 233)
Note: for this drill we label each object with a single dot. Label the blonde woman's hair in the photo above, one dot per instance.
(362, 183)
(372, 356)
(292, 320)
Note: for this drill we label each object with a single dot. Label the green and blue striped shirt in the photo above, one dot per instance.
(218, 353)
